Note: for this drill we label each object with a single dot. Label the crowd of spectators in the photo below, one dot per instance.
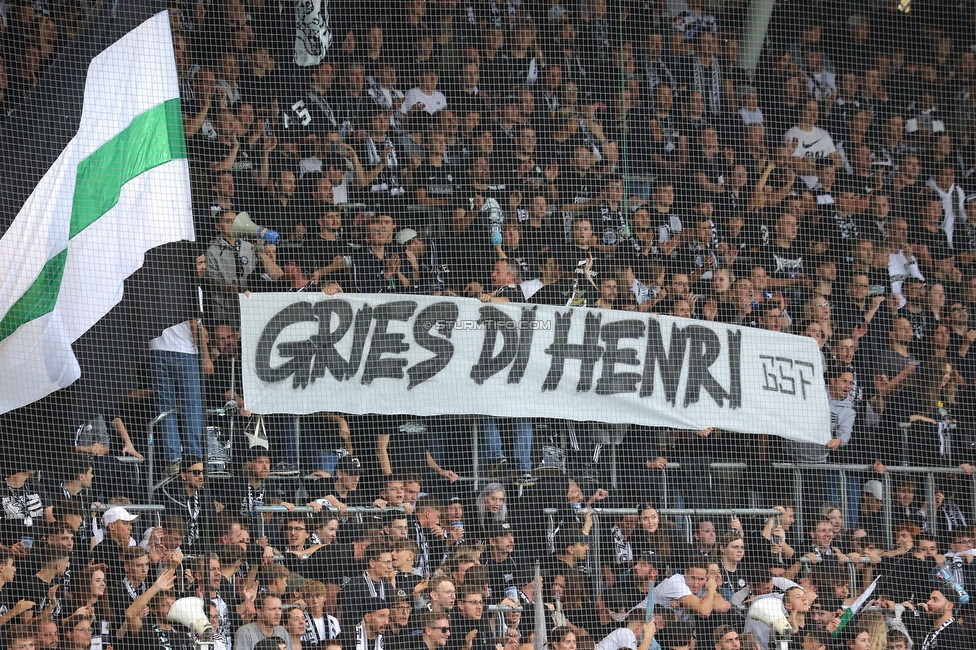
(587, 154)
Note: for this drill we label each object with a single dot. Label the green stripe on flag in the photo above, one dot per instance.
(153, 138)
(845, 618)
(146, 143)
(39, 299)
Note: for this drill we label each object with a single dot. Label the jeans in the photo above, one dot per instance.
(326, 460)
(491, 442)
(176, 384)
(283, 437)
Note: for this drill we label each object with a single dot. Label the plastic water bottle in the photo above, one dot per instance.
(944, 574)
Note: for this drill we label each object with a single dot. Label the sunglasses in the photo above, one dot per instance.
(444, 630)
(195, 472)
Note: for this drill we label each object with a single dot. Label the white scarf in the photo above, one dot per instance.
(951, 212)
(362, 641)
(711, 91)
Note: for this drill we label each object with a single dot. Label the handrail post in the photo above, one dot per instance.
(150, 428)
(474, 455)
(930, 497)
(798, 497)
(598, 551)
(665, 493)
(886, 509)
(844, 499)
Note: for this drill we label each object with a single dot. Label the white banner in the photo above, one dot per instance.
(312, 36)
(426, 355)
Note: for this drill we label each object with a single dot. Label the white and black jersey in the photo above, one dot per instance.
(320, 630)
(23, 513)
(668, 224)
(813, 144)
(609, 223)
(387, 183)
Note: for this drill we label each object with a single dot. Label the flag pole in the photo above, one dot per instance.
(541, 641)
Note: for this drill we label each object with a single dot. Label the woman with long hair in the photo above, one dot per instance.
(490, 508)
(733, 549)
(653, 533)
(569, 604)
(818, 309)
(860, 640)
(89, 598)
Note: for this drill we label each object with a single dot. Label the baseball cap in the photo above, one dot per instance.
(569, 537)
(875, 489)
(117, 513)
(257, 451)
(652, 558)
(405, 236)
(349, 465)
(400, 596)
(371, 605)
(500, 530)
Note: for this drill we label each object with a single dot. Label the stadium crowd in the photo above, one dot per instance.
(579, 153)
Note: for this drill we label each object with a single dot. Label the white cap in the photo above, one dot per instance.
(405, 236)
(117, 513)
(875, 489)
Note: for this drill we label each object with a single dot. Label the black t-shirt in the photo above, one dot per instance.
(564, 293)
(370, 272)
(269, 211)
(152, 637)
(574, 259)
(501, 576)
(239, 497)
(358, 592)
(576, 189)
(195, 511)
(460, 627)
(317, 253)
(438, 182)
(606, 222)
(109, 553)
(30, 587)
(781, 263)
(311, 566)
(122, 594)
(335, 561)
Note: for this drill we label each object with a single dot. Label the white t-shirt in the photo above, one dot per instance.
(623, 637)
(431, 103)
(178, 338)
(812, 144)
(669, 591)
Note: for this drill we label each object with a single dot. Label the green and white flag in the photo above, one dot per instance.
(848, 615)
(119, 188)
